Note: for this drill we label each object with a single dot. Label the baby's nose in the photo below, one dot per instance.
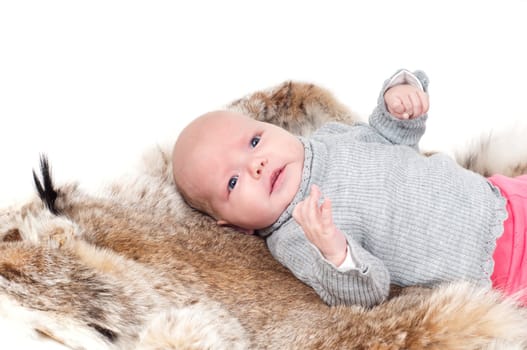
(257, 166)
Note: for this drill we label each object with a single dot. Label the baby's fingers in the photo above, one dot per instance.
(420, 103)
(313, 198)
(303, 212)
(327, 214)
(416, 108)
(299, 212)
(314, 195)
(395, 106)
(308, 213)
(425, 102)
(312, 207)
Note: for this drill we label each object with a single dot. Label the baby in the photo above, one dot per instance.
(389, 214)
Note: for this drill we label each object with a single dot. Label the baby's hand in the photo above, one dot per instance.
(406, 101)
(317, 223)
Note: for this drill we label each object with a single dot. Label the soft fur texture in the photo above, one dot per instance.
(498, 152)
(136, 268)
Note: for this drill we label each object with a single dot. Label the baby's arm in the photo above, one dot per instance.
(366, 284)
(394, 117)
(339, 269)
(317, 223)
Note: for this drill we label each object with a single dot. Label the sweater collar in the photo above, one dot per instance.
(300, 195)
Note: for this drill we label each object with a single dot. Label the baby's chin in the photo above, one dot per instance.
(270, 220)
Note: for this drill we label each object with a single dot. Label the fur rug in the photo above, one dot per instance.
(135, 268)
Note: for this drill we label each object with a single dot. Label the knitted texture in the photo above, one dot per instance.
(408, 219)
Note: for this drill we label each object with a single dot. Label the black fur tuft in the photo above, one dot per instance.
(108, 333)
(45, 189)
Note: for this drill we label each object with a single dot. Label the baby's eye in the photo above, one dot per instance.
(254, 141)
(232, 183)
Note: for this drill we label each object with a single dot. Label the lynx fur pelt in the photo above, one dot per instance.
(135, 268)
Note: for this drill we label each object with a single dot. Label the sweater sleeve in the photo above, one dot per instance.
(404, 132)
(367, 284)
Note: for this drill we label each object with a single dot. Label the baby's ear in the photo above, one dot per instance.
(239, 229)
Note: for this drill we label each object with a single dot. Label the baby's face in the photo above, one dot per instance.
(247, 171)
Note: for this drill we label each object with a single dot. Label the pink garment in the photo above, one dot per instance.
(510, 256)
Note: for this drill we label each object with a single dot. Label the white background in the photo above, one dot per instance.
(94, 83)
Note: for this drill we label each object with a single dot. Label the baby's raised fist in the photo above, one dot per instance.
(406, 101)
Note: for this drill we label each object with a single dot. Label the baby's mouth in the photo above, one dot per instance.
(274, 177)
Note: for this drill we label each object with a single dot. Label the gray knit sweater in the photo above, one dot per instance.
(408, 219)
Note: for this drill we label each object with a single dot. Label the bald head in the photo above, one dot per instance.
(193, 154)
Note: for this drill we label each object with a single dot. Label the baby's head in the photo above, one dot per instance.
(240, 171)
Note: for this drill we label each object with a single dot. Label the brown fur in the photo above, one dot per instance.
(137, 268)
(300, 108)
